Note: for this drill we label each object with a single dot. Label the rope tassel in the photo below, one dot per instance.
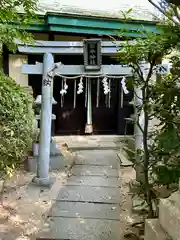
(61, 93)
(80, 86)
(86, 92)
(122, 97)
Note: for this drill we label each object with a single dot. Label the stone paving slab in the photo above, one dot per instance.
(81, 229)
(89, 194)
(124, 162)
(85, 170)
(97, 157)
(78, 146)
(92, 145)
(95, 138)
(86, 210)
(94, 181)
(97, 153)
(105, 145)
(89, 147)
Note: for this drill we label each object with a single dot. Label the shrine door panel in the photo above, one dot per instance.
(70, 119)
(70, 112)
(104, 107)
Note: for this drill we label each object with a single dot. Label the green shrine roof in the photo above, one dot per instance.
(101, 20)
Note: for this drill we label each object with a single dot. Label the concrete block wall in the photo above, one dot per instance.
(167, 226)
(15, 68)
(154, 231)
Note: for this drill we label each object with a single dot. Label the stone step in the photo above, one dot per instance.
(93, 181)
(154, 231)
(80, 143)
(73, 147)
(61, 228)
(89, 194)
(85, 210)
(169, 215)
(95, 138)
(97, 158)
(103, 171)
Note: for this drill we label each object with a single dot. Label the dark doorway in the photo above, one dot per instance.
(69, 111)
(104, 114)
(72, 120)
(72, 114)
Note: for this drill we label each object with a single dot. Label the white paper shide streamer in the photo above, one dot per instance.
(124, 90)
(80, 86)
(105, 85)
(123, 83)
(64, 87)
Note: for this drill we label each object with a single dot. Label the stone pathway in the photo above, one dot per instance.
(87, 207)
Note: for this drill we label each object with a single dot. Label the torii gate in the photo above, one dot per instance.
(48, 69)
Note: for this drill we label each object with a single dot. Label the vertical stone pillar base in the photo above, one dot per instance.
(89, 128)
(43, 182)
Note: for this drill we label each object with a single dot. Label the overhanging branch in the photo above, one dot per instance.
(163, 11)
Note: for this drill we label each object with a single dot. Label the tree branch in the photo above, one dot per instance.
(137, 95)
(162, 11)
(175, 9)
(140, 74)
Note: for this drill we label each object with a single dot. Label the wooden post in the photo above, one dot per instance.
(42, 177)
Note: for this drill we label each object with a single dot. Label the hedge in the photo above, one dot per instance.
(16, 124)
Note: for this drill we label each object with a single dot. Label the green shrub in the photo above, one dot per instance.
(16, 124)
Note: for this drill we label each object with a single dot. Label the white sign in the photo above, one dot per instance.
(162, 69)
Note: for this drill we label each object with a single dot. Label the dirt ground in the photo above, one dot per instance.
(26, 206)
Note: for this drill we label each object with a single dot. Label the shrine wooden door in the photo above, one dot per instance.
(104, 107)
(70, 110)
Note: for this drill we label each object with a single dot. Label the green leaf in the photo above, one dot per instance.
(129, 11)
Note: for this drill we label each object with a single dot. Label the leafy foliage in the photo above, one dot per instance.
(13, 24)
(15, 114)
(166, 146)
(156, 155)
(16, 124)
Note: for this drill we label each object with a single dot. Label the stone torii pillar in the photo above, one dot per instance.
(42, 177)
